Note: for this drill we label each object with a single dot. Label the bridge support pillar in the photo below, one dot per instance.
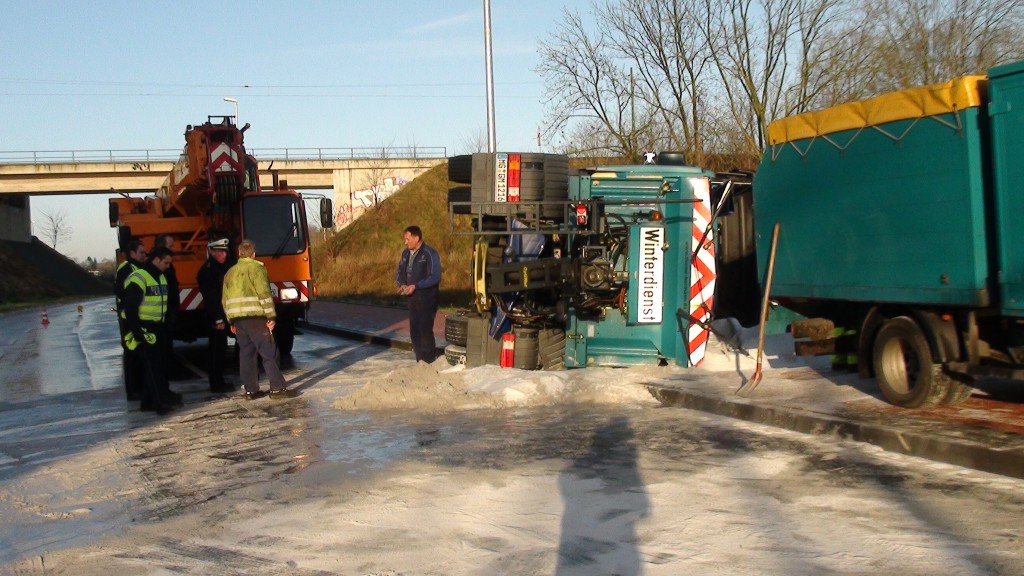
(341, 181)
(15, 218)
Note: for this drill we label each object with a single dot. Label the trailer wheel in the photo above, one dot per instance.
(904, 368)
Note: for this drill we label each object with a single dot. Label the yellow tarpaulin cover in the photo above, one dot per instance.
(958, 94)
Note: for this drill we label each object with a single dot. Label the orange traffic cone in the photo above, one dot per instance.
(46, 321)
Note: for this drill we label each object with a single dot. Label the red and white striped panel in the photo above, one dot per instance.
(224, 158)
(302, 287)
(191, 298)
(702, 272)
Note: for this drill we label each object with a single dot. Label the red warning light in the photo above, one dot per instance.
(515, 167)
(581, 215)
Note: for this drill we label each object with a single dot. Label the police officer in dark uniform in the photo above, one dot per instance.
(131, 362)
(417, 278)
(211, 284)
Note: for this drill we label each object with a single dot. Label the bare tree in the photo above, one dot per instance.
(922, 42)
(671, 64)
(659, 75)
(55, 228)
(373, 178)
(707, 76)
(771, 57)
(475, 141)
(585, 79)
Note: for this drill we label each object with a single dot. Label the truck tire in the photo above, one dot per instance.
(455, 355)
(284, 336)
(904, 368)
(552, 349)
(672, 158)
(461, 194)
(456, 328)
(460, 169)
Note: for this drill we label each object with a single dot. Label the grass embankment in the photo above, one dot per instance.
(358, 262)
(32, 274)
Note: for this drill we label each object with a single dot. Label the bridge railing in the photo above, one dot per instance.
(261, 154)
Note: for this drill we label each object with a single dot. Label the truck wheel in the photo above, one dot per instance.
(461, 194)
(552, 349)
(904, 368)
(455, 329)
(455, 355)
(284, 336)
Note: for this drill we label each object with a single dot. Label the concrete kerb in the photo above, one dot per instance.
(398, 343)
(912, 443)
(380, 340)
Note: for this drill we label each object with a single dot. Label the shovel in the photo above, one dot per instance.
(756, 378)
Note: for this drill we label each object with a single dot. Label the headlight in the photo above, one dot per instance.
(289, 294)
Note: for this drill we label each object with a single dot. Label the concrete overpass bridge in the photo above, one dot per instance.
(357, 177)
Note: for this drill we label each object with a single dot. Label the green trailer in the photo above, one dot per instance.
(897, 230)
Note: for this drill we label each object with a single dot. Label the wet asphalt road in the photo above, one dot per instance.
(90, 485)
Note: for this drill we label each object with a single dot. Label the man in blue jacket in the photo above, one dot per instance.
(417, 278)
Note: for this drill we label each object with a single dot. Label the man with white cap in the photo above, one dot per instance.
(211, 285)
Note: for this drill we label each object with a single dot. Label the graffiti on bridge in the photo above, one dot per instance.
(342, 215)
(364, 199)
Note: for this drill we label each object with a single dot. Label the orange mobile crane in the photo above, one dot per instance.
(214, 192)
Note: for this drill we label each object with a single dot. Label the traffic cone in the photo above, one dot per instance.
(46, 320)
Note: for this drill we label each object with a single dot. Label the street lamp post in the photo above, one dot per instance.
(235, 102)
(489, 79)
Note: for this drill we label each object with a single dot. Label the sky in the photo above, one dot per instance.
(119, 75)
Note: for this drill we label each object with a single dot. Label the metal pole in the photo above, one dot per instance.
(489, 66)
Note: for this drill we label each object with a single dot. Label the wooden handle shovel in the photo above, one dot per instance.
(749, 386)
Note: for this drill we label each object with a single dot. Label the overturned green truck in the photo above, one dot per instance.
(611, 265)
(899, 231)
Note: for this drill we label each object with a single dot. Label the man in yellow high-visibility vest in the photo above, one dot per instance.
(131, 362)
(249, 307)
(145, 308)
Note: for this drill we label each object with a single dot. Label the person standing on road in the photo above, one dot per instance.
(249, 307)
(145, 310)
(131, 360)
(173, 297)
(174, 369)
(211, 285)
(418, 277)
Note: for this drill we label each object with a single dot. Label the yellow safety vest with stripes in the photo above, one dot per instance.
(247, 291)
(119, 288)
(154, 300)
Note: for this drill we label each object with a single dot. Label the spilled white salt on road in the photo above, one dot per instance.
(439, 387)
